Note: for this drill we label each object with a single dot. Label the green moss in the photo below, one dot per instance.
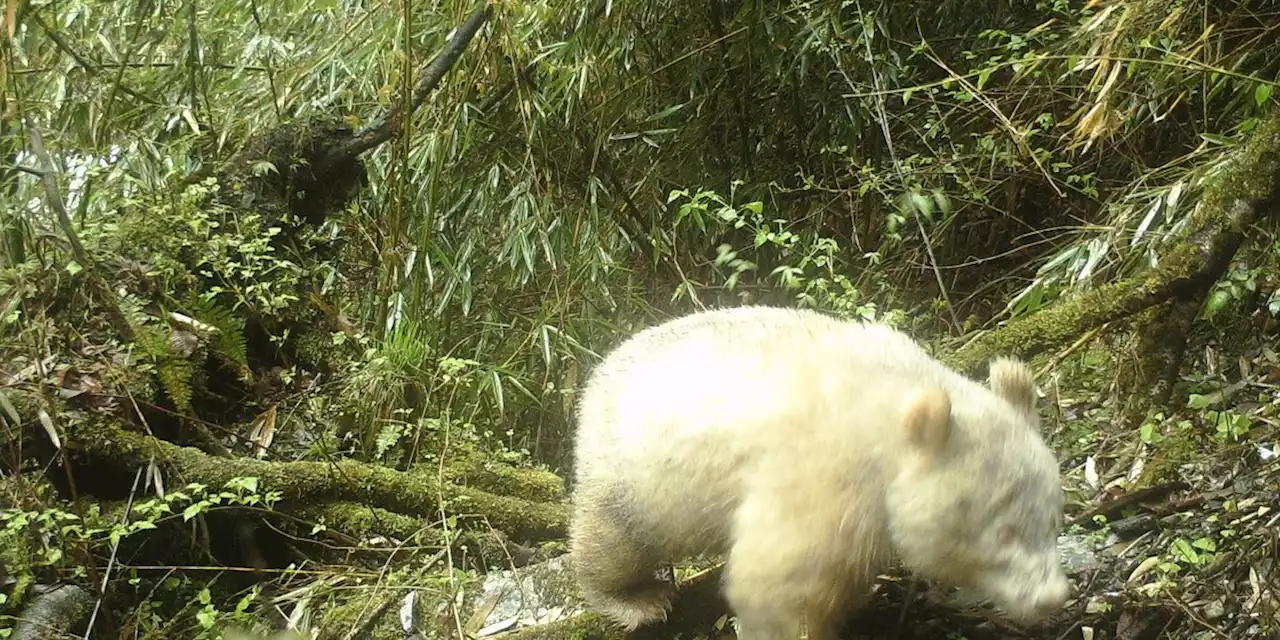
(587, 626)
(1250, 176)
(414, 494)
(354, 605)
(1029, 336)
(477, 468)
(1253, 173)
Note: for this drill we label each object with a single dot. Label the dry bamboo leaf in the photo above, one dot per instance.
(9, 409)
(153, 477)
(47, 423)
(263, 432)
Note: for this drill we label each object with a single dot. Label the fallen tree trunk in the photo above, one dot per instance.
(473, 468)
(414, 494)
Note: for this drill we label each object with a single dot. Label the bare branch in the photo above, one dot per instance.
(391, 124)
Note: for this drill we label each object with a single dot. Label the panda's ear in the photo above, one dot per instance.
(1012, 380)
(927, 419)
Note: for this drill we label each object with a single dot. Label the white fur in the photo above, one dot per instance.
(779, 437)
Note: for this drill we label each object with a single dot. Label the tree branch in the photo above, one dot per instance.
(391, 124)
(309, 483)
(1245, 191)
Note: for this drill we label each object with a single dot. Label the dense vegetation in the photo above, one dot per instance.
(294, 296)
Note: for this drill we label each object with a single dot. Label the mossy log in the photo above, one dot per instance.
(477, 468)
(1241, 193)
(415, 494)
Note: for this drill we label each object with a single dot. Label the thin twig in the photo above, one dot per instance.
(897, 165)
(1018, 139)
(115, 546)
(371, 618)
(1075, 346)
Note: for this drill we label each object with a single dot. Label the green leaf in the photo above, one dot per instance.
(983, 77)
(192, 511)
(1217, 139)
(1184, 549)
(922, 204)
(207, 617)
(1216, 302)
(665, 112)
(1261, 93)
(1205, 544)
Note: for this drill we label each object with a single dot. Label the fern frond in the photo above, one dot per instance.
(228, 342)
(175, 377)
(154, 340)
